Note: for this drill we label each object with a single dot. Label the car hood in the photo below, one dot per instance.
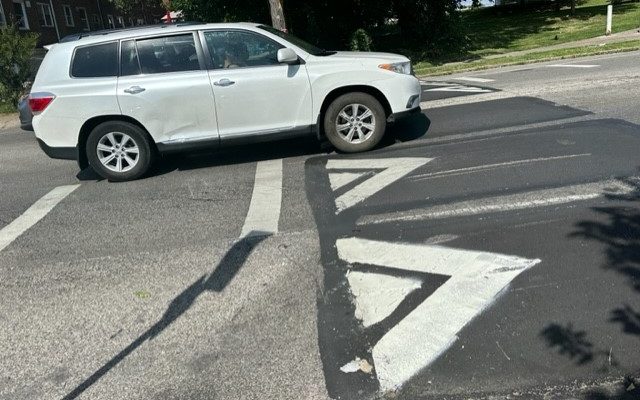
(366, 56)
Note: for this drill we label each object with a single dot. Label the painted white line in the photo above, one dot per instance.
(431, 328)
(264, 211)
(480, 168)
(34, 214)
(571, 66)
(519, 201)
(340, 179)
(393, 170)
(459, 88)
(377, 295)
(492, 134)
(470, 99)
(474, 79)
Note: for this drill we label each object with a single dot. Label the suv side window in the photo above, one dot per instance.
(167, 54)
(238, 49)
(95, 61)
(129, 64)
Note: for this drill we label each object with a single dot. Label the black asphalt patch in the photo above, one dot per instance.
(495, 114)
(582, 294)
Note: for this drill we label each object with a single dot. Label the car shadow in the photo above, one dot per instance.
(404, 130)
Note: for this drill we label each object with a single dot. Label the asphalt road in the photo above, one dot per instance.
(490, 248)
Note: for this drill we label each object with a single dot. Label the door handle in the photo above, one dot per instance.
(134, 90)
(224, 82)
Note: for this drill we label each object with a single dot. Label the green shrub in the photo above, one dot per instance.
(360, 41)
(16, 50)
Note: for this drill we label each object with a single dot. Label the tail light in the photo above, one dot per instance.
(38, 102)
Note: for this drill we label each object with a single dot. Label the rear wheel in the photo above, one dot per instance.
(355, 122)
(119, 151)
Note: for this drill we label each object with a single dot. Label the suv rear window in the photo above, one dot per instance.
(168, 54)
(95, 61)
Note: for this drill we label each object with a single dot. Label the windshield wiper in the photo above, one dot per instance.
(324, 52)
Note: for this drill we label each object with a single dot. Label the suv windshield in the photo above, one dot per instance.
(308, 47)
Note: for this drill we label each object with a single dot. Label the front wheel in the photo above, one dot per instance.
(355, 122)
(119, 151)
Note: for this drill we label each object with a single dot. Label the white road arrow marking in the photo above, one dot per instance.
(340, 179)
(393, 170)
(432, 327)
(378, 295)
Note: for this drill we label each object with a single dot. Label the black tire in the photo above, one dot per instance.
(340, 139)
(138, 138)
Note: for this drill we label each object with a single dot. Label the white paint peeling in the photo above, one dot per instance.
(356, 365)
(518, 201)
(393, 169)
(376, 296)
(459, 88)
(432, 327)
(468, 170)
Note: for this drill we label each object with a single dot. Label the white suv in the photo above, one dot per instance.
(114, 100)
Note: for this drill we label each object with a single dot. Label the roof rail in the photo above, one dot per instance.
(77, 36)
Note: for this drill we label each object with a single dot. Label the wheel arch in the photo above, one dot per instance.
(337, 92)
(91, 123)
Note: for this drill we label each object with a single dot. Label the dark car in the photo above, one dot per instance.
(25, 113)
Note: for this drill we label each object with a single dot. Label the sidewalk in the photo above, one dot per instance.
(595, 41)
(9, 122)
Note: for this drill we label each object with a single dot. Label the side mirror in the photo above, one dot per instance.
(287, 56)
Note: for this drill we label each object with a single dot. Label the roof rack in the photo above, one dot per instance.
(77, 36)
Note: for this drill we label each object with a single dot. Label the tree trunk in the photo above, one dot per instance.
(277, 15)
(573, 7)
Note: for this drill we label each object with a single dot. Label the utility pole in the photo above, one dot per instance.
(277, 15)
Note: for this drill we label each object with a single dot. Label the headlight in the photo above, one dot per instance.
(401, 67)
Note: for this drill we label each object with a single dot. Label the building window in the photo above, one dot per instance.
(20, 14)
(3, 20)
(84, 20)
(45, 16)
(96, 21)
(68, 15)
(110, 22)
(121, 22)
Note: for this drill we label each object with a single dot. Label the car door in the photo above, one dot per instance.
(255, 94)
(164, 86)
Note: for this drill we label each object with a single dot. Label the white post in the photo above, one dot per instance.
(609, 19)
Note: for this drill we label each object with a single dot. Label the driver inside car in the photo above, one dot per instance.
(236, 55)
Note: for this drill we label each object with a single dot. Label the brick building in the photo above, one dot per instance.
(55, 19)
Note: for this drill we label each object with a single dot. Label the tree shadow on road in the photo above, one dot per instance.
(617, 226)
(224, 272)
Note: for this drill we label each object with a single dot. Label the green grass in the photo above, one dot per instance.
(496, 33)
(493, 32)
(426, 68)
(6, 108)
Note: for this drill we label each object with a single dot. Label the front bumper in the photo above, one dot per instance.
(62, 153)
(403, 114)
